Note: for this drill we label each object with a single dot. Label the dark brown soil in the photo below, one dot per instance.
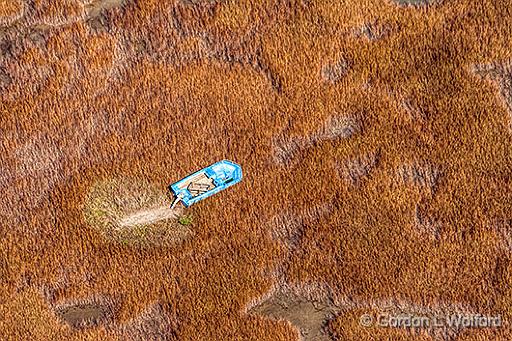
(308, 316)
(84, 315)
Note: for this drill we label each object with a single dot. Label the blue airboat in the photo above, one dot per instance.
(206, 182)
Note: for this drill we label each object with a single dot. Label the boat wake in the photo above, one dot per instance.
(149, 216)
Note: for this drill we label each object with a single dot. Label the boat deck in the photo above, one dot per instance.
(198, 184)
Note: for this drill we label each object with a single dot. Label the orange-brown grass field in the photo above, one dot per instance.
(375, 139)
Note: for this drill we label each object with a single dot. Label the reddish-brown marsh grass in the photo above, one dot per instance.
(247, 73)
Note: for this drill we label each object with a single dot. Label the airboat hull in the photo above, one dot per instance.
(207, 182)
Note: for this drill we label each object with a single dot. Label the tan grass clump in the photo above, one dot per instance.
(287, 150)
(111, 201)
(355, 170)
(334, 72)
(153, 324)
(421, 174)
(501, 75)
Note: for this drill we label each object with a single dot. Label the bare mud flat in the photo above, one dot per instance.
(311, 308)
(308, 316)
(81, 316)
(86, 314)
(416, 2)
(134, 212)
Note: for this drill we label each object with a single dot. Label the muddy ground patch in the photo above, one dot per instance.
(313, 308)
(416, 2)
(134, 212)
(83, 315)
(87, 313)
(309, 316)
